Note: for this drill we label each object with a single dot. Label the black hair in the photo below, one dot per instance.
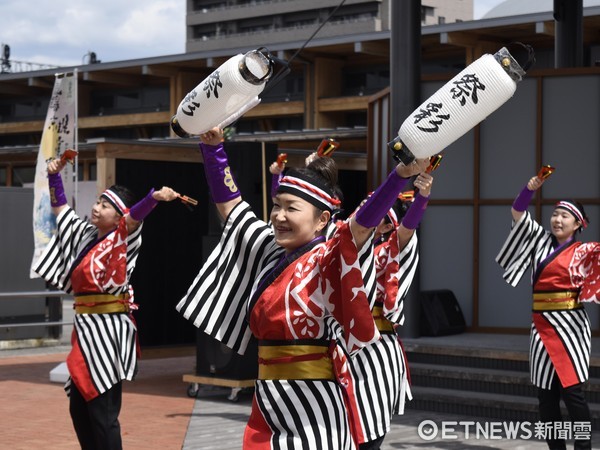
(325, 170)
(330, 168)
(125, 194)
(337, 192)
(582, 211)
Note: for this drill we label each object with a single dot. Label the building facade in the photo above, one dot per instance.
(335, 90)
(218, 24)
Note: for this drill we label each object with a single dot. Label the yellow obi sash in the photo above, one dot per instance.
(294, 361)
(381, 322)
(101, 304)
(555, 301)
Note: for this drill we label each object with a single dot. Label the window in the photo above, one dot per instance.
(291, 88)
(23, 175)
(132, 132)
(426, 11)
(255, 24)
(93, 171)
(258, 126)
(80, 171)
(357, 12)
(204, 5)
(208, 31)
(90, 167)
(22, 109)
(365, 81)
(128, 101)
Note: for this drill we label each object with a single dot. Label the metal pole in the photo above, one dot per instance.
(568, 40)
(405, 60)
(76, 132)
(405, 96)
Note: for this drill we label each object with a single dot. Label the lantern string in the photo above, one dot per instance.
(277, 77)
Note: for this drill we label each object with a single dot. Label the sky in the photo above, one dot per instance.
(64, 32)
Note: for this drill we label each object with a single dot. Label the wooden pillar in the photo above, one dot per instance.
(309, 96)
(327, 83)
(106, 170)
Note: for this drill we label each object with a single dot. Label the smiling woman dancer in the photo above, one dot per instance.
(566, 273)
(288, 286)
(95, 261)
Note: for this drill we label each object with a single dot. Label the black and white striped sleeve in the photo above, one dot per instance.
(526, 238)
(408, 260)
(72, 234)
(217, 299)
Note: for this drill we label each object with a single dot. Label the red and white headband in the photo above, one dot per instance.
(305, 187)
(573, 209)
(114, 199)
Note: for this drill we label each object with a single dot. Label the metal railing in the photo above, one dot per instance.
(30, 294)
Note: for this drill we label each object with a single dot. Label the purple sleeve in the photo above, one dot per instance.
(141, 209)
(377, 205)
(522, 201)
(275, 179)
(57, 190)
(413, 216)
(218, 174)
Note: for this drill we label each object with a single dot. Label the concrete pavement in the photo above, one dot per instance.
(158, 414)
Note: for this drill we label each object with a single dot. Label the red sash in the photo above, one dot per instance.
(556, 350)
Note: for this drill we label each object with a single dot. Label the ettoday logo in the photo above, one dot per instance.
(429, 430)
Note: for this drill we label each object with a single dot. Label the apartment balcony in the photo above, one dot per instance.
(261, 9)
(262, 38)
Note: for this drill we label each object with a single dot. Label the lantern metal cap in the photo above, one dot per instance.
(177, 129)
(509, 64)
(259, 59)
(400, 151)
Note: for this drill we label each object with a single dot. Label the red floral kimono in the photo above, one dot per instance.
(293, 305)
(104, 346)
(560, 338)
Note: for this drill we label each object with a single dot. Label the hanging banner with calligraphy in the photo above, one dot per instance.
(464, 101)
(58, 135)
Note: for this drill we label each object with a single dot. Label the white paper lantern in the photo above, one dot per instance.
(223, 96)
(464, 101)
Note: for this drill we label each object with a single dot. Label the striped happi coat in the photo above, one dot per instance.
(560, 340)
(380, 372)
(306, 299)
(104, 348)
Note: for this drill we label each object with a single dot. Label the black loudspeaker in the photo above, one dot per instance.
(441, 314)
(217, 360)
